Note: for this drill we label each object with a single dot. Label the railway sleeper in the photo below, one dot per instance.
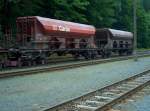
(119, 92)
(133, 83)
(124, 89)
(109, 94)
(129, 85)
(85, 108)
(141, 80)
(92, 104)
(103, 99)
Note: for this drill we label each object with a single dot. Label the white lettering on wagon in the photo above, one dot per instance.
(54, 27)
(61, 28)
(64, 29)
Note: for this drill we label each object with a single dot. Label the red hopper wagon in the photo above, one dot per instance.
(43, 33)
(40, 37)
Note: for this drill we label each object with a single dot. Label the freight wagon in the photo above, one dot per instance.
(39, 37)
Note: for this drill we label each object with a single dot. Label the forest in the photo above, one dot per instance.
(117, 14)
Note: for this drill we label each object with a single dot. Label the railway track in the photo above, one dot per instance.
(135, 102)
(103, 99)
(76, 64)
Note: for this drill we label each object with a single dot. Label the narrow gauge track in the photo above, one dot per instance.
(41, 69)
(103, 99)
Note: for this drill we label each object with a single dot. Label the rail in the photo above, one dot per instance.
(77, 64)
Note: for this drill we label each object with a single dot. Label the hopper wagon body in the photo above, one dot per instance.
(44, 33)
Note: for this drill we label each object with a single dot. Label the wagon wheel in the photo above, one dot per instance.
(54, 43)
(83, 44)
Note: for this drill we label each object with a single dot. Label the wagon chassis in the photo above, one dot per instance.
(29, 56)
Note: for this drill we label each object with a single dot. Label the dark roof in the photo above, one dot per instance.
(117, 33)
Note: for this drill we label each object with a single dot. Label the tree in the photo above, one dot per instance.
(143, 28)
(117, 14)
(71, 10)
(10, 9)
(146, 4)
(124, 15)
(101, 13)
(124, 18)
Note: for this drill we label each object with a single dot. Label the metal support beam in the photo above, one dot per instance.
(135, 28)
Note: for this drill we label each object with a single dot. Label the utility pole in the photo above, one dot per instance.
(135, 28)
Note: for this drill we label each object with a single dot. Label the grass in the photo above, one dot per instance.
(143, 49)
